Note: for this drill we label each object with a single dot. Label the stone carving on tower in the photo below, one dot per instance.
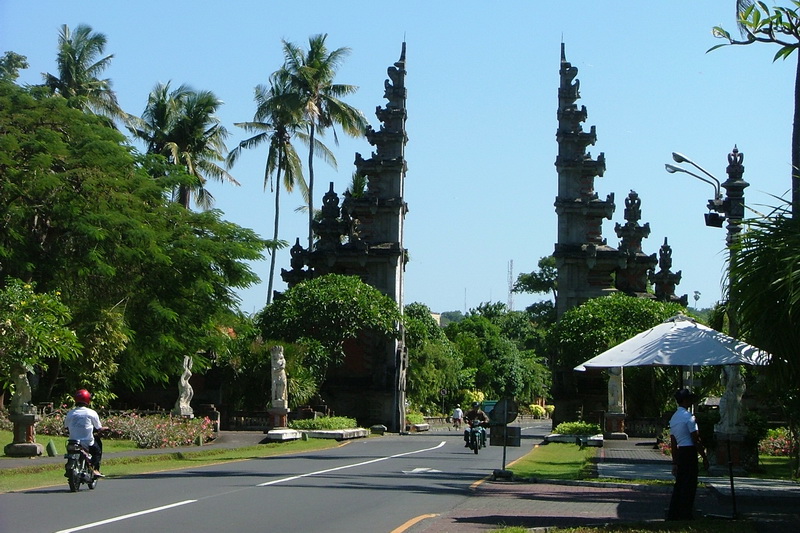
(584, 260)
(632, 277)
(665, 280)
(363, 236)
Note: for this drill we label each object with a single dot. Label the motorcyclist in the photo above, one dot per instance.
(82, 421)
(474, 414)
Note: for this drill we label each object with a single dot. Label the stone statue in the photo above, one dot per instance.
(730, 404)
(183, 406)
(21, 402)
(615, 393)
(279, 396)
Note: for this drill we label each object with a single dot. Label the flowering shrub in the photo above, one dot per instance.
(777, 442)
(151, 431)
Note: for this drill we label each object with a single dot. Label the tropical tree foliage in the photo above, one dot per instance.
(80, 62)
(182, 126)
(147, 281)
(10, 65)
(310, 74)
(765, 293)
(492, 344)
(433, 361)
(780, 26)
(544, 280)
(33, 328)
(327, 311)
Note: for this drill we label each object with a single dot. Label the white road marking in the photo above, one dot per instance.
(125, 517)
(292, 478)
(420, 470)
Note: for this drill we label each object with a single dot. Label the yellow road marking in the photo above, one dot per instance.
(413, 521)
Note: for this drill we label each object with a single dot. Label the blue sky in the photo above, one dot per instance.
(482, 96)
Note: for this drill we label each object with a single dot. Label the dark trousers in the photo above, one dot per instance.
(681, 506)
(96, 450)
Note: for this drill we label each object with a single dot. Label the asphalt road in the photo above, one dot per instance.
(374, 485)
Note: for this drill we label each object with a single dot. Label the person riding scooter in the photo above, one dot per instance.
(474, 414)
(82, 421)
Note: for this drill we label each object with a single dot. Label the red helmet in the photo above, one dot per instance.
(83, 396)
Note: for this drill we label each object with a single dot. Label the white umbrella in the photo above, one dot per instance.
(678, 341)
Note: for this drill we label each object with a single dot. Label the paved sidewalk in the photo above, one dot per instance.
(773, 505)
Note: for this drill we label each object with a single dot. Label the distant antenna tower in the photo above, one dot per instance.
(510, 285)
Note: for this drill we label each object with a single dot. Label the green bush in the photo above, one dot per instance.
(549, 410)
(577, 428)
(537, 411)
(326, 422)
(415, 418)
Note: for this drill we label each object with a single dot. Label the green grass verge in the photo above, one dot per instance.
(772, 467)
(42, 475)
(556, 461)
(696, 526)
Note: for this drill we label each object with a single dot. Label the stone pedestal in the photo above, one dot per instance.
(277, 415)
(615, 427)
(24, 444)
(729, 449)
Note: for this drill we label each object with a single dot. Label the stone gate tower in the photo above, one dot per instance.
(584, 261)
(364, 237)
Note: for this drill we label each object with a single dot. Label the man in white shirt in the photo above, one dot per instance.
(685, 445)
(82, 421)
(458, 416)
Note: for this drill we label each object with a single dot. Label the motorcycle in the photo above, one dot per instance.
(79, 466)
(477, 435)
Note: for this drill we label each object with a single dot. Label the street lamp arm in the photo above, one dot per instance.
(680, 158)
(672, 169)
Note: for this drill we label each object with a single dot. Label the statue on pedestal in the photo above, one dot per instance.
(183, 406)
(731, 402)
(616, 402)
(23, 415)
(279, 396)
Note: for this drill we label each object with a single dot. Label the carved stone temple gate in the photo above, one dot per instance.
(364, 237)
(587, 266)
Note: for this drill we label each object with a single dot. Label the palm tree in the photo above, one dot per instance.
(80, 61)
(310, 74)
(277, 119)
(765, 287)
(180, 124)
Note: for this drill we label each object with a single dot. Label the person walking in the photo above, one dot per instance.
(685, 445)
(458, 416)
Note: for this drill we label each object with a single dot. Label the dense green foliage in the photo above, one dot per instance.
(433, 361)
(325, 422)
(33, 328)
(328, 311)
(765, 289)
(493, 343)
(577, 428)
(146, 281)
